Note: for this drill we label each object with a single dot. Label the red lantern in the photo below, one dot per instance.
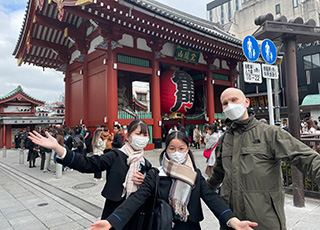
(177, 91)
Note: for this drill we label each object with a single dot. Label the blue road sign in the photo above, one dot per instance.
(250, 48)
(268, 51)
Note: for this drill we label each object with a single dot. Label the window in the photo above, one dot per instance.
(295, 3)
(315, 61)
(307, 62)
(308, 77)
(142, 96)
(222, 19)
(311, 61)
(210, 15)
(237, 4)
(278, 9)
(229, 10)
(244, 1)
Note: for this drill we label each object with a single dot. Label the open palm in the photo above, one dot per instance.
(246, 225)
(47, 142)
(101, 225)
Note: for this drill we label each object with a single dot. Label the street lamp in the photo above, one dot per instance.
(290, 33)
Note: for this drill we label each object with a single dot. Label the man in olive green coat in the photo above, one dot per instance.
(249, 165)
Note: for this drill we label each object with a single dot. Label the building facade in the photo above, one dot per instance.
(222, 11)
(242, 24)
(18, 113)
(103, 46)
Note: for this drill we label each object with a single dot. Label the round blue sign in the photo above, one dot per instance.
(250, 48)
(268, 51)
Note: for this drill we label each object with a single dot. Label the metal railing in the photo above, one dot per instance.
(310, 188)
(141, 115)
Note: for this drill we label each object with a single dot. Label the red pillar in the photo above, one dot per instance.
(210, 96)
(233, 66)
(112, 88)
(85, 112)
(67, 80)
(4, 136)
(209, 89)
(155, 103)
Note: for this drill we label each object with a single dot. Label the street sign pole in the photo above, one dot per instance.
(269, 55)
(270, 101)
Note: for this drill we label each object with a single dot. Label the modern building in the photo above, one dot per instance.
(222, 12)
(103, 46)
(308, 60)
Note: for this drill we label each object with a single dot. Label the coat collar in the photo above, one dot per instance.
(242, 125)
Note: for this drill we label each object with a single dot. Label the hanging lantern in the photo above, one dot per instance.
(177, 91)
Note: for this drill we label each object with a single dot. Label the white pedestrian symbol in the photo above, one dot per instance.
(249, 44)
(268, 54)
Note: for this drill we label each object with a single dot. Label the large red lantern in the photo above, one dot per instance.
(177, 91)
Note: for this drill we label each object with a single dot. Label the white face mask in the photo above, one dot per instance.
(178, 157)
(138, 142)
(234, 111)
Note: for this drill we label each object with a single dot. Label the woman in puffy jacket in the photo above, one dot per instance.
(98, 146)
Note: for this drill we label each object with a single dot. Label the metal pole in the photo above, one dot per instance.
(270, 101)
(58, 171)
(4, 152)
(21, 156)
(293, 115)
(277, 101)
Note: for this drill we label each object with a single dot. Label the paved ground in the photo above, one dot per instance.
(31, 199)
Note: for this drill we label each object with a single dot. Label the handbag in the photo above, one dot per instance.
(161, 216)
(207, 153)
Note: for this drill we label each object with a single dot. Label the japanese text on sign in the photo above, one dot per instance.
(187, 55)
(252, 72)
(270, 71)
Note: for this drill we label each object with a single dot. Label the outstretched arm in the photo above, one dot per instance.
(241, 225)
(47, 142)
(101, 225)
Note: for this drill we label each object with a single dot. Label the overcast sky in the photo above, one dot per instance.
(46, 84)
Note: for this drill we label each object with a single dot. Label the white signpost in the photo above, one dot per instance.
(252, 72)
(270, 72)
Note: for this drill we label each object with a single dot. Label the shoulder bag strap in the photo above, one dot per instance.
(156, 193)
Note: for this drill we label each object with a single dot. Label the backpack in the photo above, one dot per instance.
(78, 142)
(28, 144)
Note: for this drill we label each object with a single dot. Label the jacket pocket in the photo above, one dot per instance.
(265, 209)
(256, 149)
(254, 159)
(277, 199)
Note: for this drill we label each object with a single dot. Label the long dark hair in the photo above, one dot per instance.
(182, 137)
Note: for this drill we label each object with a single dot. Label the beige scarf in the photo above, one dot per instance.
(184, 179)
(133, 160)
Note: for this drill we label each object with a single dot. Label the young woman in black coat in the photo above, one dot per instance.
(181, 185)
(123, 166)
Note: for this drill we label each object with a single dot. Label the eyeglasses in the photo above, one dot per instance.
(180, 149)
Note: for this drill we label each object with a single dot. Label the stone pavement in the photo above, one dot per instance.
(31, 199)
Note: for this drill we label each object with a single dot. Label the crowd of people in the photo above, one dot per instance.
(245, 166)
(78, 139)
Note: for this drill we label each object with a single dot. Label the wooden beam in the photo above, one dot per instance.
(49, 45)
(52, 23)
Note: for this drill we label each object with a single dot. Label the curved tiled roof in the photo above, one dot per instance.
(42, 41)
(187, 19)
(15, 91)
(26, 13)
